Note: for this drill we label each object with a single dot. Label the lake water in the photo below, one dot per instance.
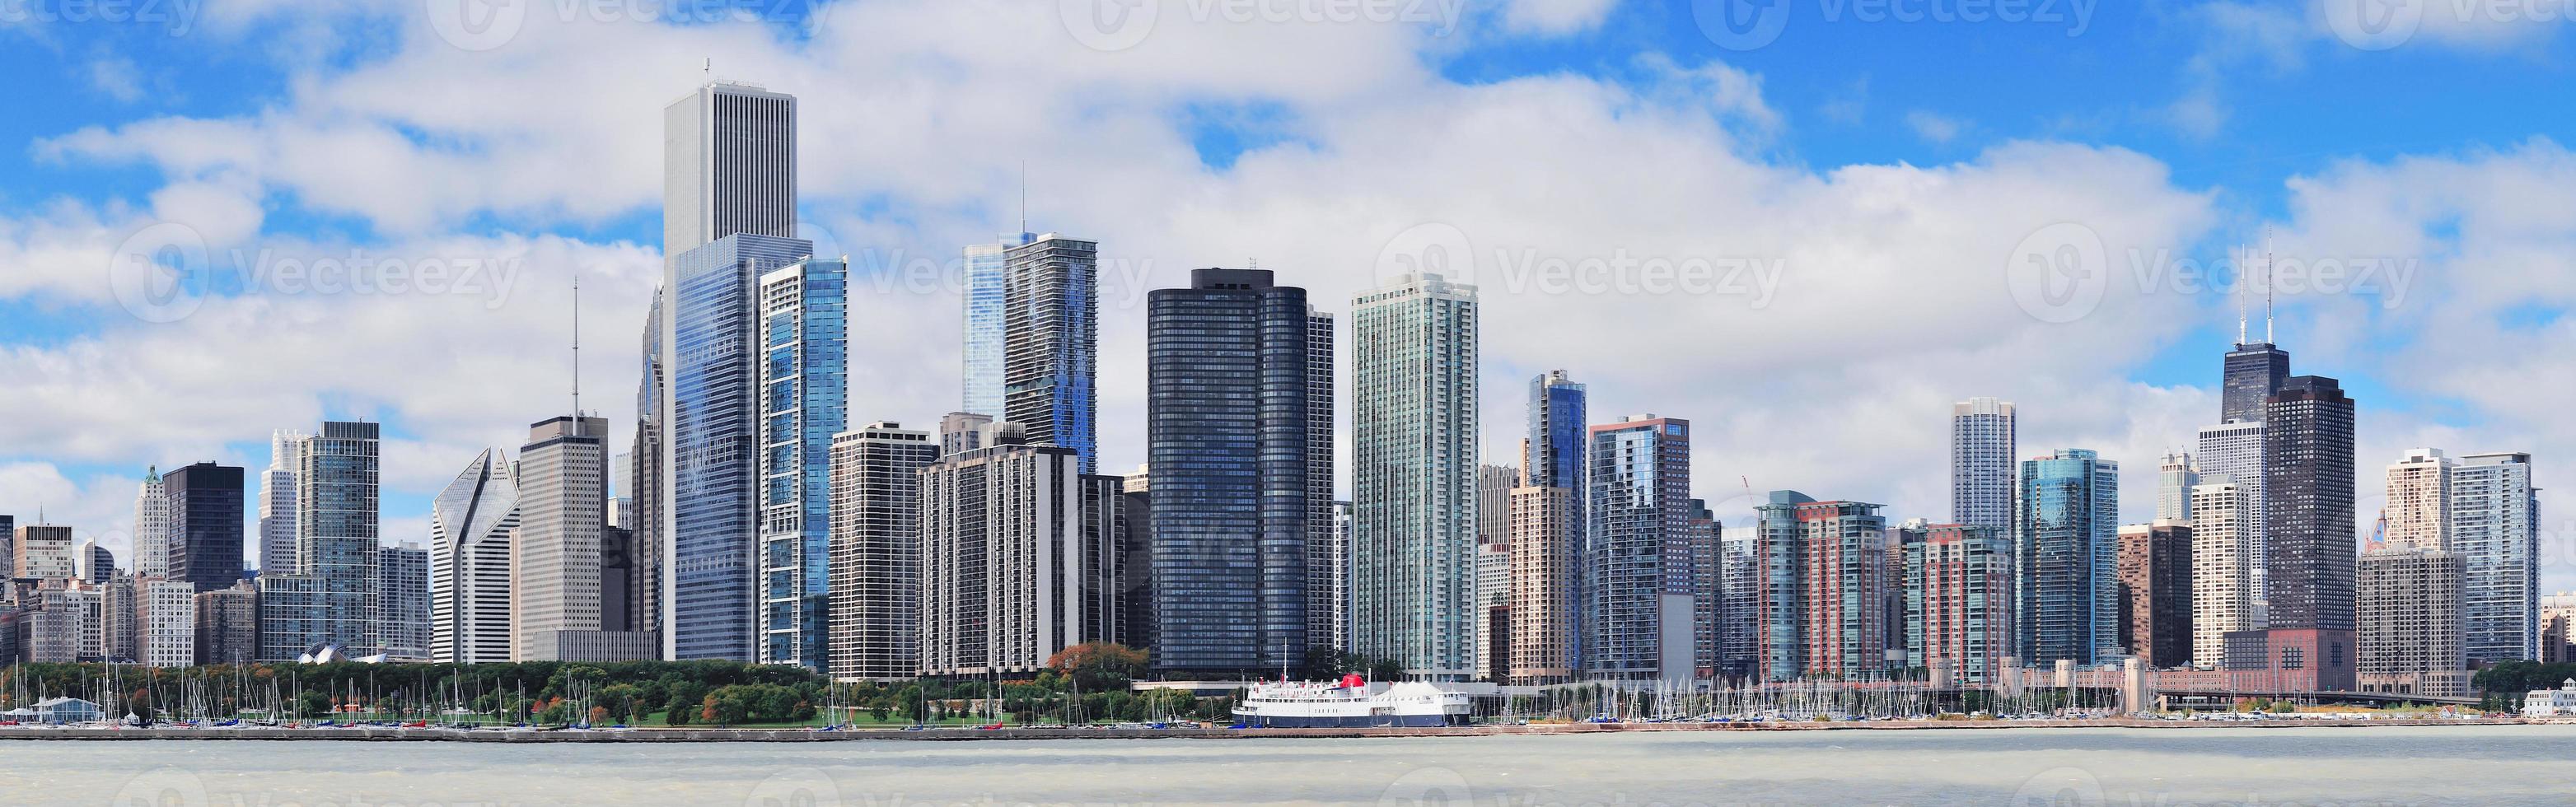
(2151, 768)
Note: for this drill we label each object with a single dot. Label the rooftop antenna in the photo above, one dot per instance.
(1024, 196)
(2267, 284)
(2240, 305)
(576, 352)
(711, 66)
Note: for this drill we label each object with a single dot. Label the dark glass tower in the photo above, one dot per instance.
(205, 525)
(1238, 494)
(2252, 374)
(2308, 505)
(1051, 343)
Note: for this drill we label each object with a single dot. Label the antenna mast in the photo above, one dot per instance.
(2267, 284)
(1024, 196)
(576, 351)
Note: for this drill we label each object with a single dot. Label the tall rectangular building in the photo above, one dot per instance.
(45, 552)
(152, 526)
(2308, 505)
(876, 551)
(1545, 629)
(2249, 376)
(1959, 602)
(165, 621)
(1982, 440)
(1013, 569)
(1740, 615)
(712, 337)
(277, 502)
(402, 606)
(2234, 452)
(1242, 498)
(1823, 574)
(2175, 478)
(2068, 537)
(2409, 618)
(648, 543)
(2155, 593)
(2495, 529)
(203, 533)
(1552, 456)
(1051, 343)
(228, 625)
(729, 165)
(2419, 500)
(1639, 615)
(328, 606)
(557, 553)
(804, 401)
(1413, 480)
(987, 298)
(2222, 589)
(471, 524)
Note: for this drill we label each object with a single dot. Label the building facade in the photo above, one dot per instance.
(729, 165)
(2068, 543)
(152, 526)
(987, 297)
(471, 524)
(558, 604)
(1982, 443)
(2155, 574)
(202, 531)
(876, 551)
(2222, 592)
(277, 502)
(1413, 475)
(804, 402)
(330, 602)
(2495, 529)
(2409, 620)
(1823, 571)
(1013, 569)
(2175, 477)
(227, 629)
(2234, 452)
(2419, 500)
(403, 625)
(1051, 343)
(1639, 612)
(1545, 627)
(1959, 602)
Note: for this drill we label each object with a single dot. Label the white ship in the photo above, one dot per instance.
(1350, 702)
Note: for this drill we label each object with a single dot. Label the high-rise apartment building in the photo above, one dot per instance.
(1051, 343)
(987, 297)
(1823, 571)
(202, 526)
(1740, 614)
(2495, 529)
(403, 627)
(1959, 602)
(961, 432)
(1639, 612)
(2409, 618)
(1014, 567)
(1545, 628)
(152, 526)
(712, 335)
(2175, 477)
(1413, 480)
(2222, 577)
(165, 621)
(45, 552)
(1982, 442)
(328, 606)
(1708, 590)
(227, 629)
(277, 502)
(471, 525)
(2234, 452)
(2419, 500)
(1243, 575)
(2068, 540)
(2155, 574)
(804, 401)
(1552, 456)
(876, 551)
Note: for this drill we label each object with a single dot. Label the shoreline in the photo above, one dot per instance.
(707, 735)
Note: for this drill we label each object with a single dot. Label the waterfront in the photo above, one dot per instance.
(2167, 768)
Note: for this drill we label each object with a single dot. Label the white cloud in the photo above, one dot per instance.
(1555, 17)
(1933, 127)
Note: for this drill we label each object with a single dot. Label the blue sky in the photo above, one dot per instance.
(1850, 148)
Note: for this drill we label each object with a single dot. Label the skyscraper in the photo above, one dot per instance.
(1982, 440)
(2068, 545)
(1823, 571)
(152, 527)
(2408, 613)
(1639, 612)
(1552, 456)
(2251, 374)
(1242, 499)
(805, 400)
(1740, 631)
(2308, 505)
(648, 541)
(987, 298)
(1545, 628)
(1051, 339)
(557, 553)
(277, 502)
(1413, 478)
(2495, 529)
(2419, 500)
(729, 165)
(1959, 602)
(961, 432)
(1708, 589)
(875, 563)
(165, 620)
(403, 625)
(203, 526)
(2175, 478)
(471, 523)
(330, 601)
(2155, 592)
(712, 338)
(2234, 452)
(2222, 576)
(45, 552)
(1014, 568)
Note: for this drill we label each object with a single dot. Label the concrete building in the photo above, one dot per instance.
(403, 625)
(2409, 622)
(277, 502)
(2222, 578)
(1413, 487)
(1553, 451)
(152, 526)
(557, 553)
(1639, 610)
(96, 563)
(45, 552)
(2155, 574)
(2175, 477)
(876, 551)
(1982, 444)
(471, 523)
(228, 625)
(2419, 500)
(1545, 627)
(165, 619)
(1822, 571)
(2234, 452)
(1959, 602)
(1051, 343)
(1013, 569)
(729, 165)
(2495, 529)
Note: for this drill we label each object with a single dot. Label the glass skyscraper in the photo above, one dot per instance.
(1242, 474)
(2069, 552)
(1639, 614)
(204, 534)
(331, 600)
(711, 342)
(1413, 475)
(2308, 506)
(1554, 458)
(988, 287)
(2251, 374)
(2495, 529)
(1051, 353)
(804, 401)
(1981, 463)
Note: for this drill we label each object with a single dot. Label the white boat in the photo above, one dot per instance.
(1350, 702)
